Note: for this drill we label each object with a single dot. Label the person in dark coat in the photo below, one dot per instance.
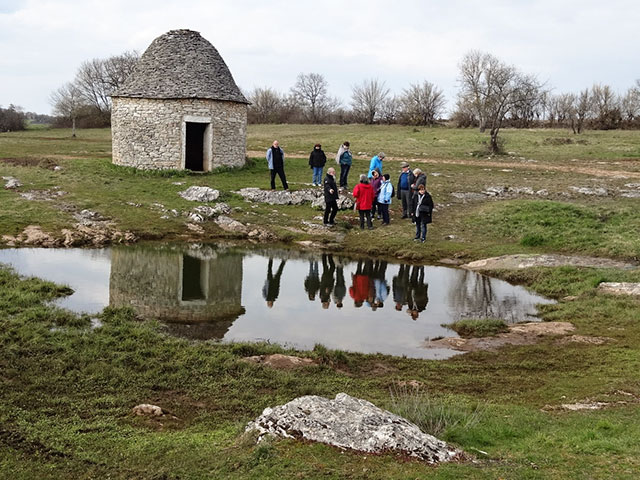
(327, 280)
(271, 288)
(400, 285)
(421, 209)
(340, 288)
(275, 161)
(330, 197)
(403, 191)
(418, 292)
(312, 281)
(317, 160)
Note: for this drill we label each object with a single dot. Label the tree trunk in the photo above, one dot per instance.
(73, 127)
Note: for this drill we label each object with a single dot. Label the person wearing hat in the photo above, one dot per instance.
(376, 162)
(317, 160)
(403, 191)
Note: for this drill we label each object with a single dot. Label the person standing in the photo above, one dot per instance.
(403, 191)
(376, 183)
(363, 193)
(419, 178)
(317, 160)
(344, 159)
(330, 197)
(422, 210)
(376, 162)
(275, 161)
(384, 198)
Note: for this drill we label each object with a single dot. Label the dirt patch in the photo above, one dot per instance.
(585, 339)
(281, 362)
(519, 261)
(618, 398)
(46, 163)
(519, 334)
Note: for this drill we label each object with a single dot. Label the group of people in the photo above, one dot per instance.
(369, 286)
(374, 192)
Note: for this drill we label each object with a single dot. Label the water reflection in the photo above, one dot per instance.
(287, 297)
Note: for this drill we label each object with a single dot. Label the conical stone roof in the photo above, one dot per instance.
(181, 64)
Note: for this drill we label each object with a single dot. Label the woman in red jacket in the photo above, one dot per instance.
(363, 193)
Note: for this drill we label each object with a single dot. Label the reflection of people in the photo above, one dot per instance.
(327, 280)
(400, 284)
(275, 161)
(381, 287)
(418, 292)
(271, 288)
(359, 289)
(340, 289)
(312, 282)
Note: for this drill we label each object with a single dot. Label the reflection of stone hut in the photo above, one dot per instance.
(180, 108)
(202, 289)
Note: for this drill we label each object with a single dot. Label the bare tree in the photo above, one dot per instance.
(605, 106)
(311, 91)
(492, 90)
(422, 104)
(367, 98)
(265, 105)
(630, 104)
(389, 110)
(12, 119)
(97, 79)
(583, 107)
(66, 102)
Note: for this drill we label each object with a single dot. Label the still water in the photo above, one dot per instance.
(291, 298)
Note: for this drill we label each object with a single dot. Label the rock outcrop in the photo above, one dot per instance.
(351, 423)
(200, 194)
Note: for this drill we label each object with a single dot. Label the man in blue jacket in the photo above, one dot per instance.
(275, 161)
(403, 190)
(376, 162)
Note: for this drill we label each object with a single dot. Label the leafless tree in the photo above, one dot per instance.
(422, 104)
(265, 105)
(389, 110)
(583, 108)
(12, 118)
(311, 91)
(492, 90)
(367, 98)
(97, 79)
(605, 106)
(66, 102)
(630, 104)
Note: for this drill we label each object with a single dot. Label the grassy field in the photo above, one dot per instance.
(66, 391)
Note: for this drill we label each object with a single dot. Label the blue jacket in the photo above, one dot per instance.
(375, 163)
(386, 190)
(346, 158)
(270, 157)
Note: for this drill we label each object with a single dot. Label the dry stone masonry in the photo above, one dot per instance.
(180, 108)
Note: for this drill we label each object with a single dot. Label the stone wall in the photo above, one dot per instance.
(150, 133)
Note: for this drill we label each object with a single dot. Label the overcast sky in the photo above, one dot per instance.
(570, 44)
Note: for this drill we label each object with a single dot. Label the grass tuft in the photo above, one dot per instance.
(478, 327)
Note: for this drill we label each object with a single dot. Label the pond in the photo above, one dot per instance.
(292, 298)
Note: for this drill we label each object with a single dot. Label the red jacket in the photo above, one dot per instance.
(363, 193)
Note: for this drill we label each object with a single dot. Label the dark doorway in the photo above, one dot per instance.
(191, 279)
(194, 146)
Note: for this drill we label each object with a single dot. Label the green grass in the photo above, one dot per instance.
(66, 391)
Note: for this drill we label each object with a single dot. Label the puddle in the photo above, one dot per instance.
(292, 298)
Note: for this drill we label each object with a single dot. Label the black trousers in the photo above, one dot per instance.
(283, 177)
(344, 172)
(365, 214)
(330, 211)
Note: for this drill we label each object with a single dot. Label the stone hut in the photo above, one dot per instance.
(180, 108)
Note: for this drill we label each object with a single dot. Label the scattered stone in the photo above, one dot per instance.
(280, 197)
(569, 298)
(261, 235)
(208, 212)
(133, 204)
(583, 339)
(283, 362)
(178, 183)
(351, 423)
(195, 228)
(450, 237)
(620, 288)
(149, 410)
(519, 334)
(518, 261)
(200, 194)
(599, 192)
(57, 168)
(450, 261)
(42, 195)
(230, 225)
(12, 183)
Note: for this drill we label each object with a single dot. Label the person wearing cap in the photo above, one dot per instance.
(376, 162)
(317, 160)
(403, 191)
